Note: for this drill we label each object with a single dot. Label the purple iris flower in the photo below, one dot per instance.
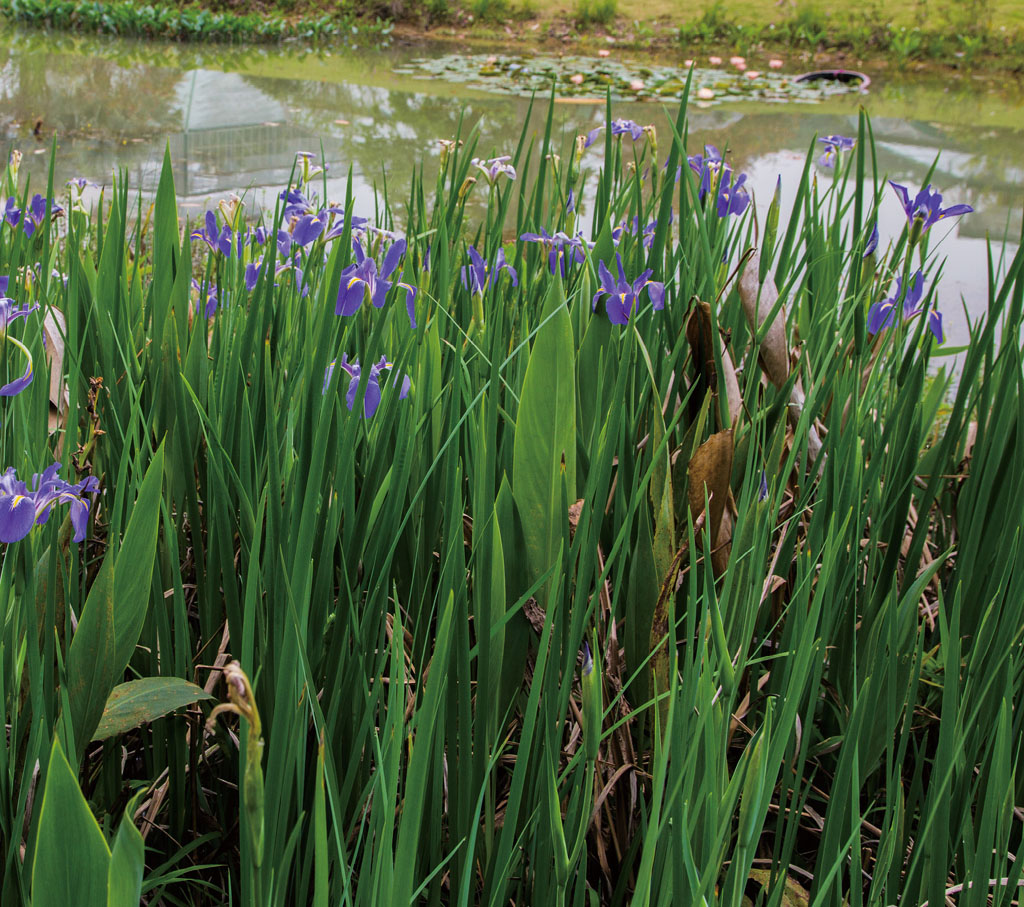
(495, 167)
(208, 307)
(338, 214)
(12, 213)
(561, 248)
(926, 206)
(833, 145)
(630, 127)
(622, 295)
(717, 176)
(21, 509)
(702, 165)
(284, 243)
(476, 275)
(869, 249)
(935, 325)
(732, 194)
(296, 204)
(882, 314)
(306, 229)
(618, 127)
(371, 399)
(8, 312)
(587, 666)
(230, 243)
(218, 239)
(38, 211)
(252, 274)
(592, 136)
(365, 279)
(307, 170)
(646, 235)
(293, 264)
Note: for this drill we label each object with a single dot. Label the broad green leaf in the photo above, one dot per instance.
(165, 247)
(134, 571)
(71, 859)
(91, 657)
(45, 574)
(140, 701)
(517, 635)
(127, 864)
(545, 442)
(498, 597)
(644, 587)
(595, 378)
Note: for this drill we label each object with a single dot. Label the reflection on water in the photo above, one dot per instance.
(234, 119)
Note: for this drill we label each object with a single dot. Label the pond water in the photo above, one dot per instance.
(234, 118)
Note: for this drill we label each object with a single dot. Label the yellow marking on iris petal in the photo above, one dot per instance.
(353, 281)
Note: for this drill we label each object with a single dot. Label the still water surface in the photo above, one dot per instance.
(234, 118)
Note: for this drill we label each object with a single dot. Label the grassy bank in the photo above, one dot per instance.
(174, 22)
(656, 565)
(976, 33)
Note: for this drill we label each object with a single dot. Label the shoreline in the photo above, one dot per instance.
(668, 49)
(852, 46)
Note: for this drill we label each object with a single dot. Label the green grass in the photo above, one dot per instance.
(808, 689)
(190, 23)
(951, 34)
(946, 32)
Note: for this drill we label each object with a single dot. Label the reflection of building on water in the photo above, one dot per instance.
(233, 135)
(231, 158)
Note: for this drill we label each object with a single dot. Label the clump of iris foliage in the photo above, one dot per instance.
(186, 23)
(531, 565)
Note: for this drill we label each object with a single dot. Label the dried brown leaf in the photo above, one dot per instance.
(698, 333)
(758, 300)
(711, 468)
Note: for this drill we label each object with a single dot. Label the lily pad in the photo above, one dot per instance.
(587, 77)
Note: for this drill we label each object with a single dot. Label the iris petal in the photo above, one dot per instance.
(17, 516)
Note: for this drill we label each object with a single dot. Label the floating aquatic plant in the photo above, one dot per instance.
(586, 77)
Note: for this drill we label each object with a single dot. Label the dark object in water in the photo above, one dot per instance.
(846, 76)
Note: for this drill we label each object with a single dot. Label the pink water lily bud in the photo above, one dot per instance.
(687, 64)
(715, 61)
(751, 74)
(775, 63)
(636, 85)
(738, 61)
(604, 52)
(576, 79)
(705, 94)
